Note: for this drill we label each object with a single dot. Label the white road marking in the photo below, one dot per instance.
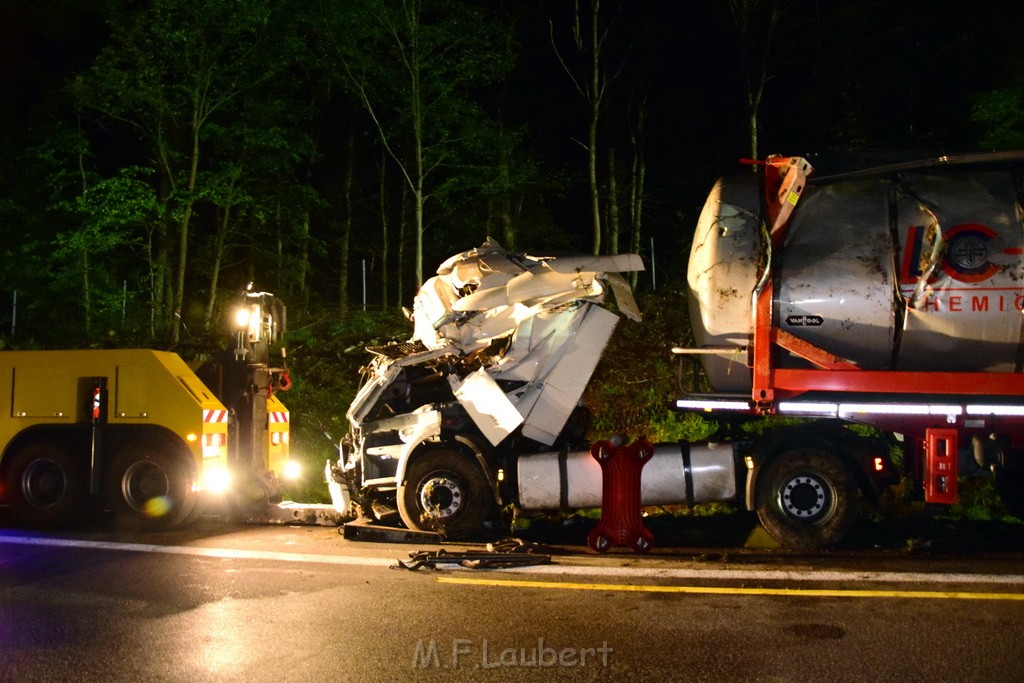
(222, 553)
(561, 570)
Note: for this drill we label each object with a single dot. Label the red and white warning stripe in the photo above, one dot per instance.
(278, 416)
(215, 416)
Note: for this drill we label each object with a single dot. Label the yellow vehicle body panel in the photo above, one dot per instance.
(144, 387)
(278, 425)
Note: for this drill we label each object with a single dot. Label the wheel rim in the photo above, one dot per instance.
(806, 497)
(440, 496)
(43, 483)
(143, 483)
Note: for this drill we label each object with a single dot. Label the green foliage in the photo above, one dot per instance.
(1000, 113)
(418, 70)
(108, 211)
(978, 501)
(637, 378)
(325, 357)
(195, 87)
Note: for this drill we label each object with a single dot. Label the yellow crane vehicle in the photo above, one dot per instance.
(137, 432)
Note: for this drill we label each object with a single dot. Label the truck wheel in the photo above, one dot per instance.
(806, 498)
(46, 487)
(149, 489)
(444, 491)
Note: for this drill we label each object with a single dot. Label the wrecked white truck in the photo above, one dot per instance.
(481, 407)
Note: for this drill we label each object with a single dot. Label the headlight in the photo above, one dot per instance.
(292, 470)
(242, 317)
(216, 480)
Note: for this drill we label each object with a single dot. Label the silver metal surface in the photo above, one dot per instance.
(911, 271)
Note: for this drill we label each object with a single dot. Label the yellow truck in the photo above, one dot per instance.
(134, 430)
(140, 433)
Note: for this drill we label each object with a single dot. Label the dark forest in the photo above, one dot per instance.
(161, 154)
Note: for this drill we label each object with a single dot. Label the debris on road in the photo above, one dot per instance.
(504, 554)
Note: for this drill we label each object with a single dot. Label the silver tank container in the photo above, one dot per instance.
(917, 271)
(677, 473)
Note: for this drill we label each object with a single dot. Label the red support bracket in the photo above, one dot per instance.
(621, 523)
(784, 181)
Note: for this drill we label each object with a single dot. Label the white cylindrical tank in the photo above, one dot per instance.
(677, 473)
(722, 274)
(919, 270)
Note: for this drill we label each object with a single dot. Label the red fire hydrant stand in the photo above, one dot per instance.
(621, 522)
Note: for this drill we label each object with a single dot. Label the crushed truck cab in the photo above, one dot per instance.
(503, 347)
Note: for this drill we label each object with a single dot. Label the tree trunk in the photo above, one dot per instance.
(613, 205)
(304, 267)
(595, 111)
(418, 206)
(638, 173)
(344, 239)
(218, 250)
(636, 208)
(418, 198)
(218, 254)
(403, 230)
(595, 198)
(86, 303)
(161, 294)
(384, 243)
(508, 235)
(155, 280)
(186, 218)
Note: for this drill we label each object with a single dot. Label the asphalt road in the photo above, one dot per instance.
(221, 602)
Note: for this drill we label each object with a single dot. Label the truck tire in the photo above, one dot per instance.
(46, 487)
(149, 489)
(444, 491)
(807, 498)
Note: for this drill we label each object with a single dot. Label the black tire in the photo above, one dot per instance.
(1010, 486)
(46, 487)
(149, 488)
(807, 498)
(444, 491)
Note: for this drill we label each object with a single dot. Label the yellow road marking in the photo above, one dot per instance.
(724, 590)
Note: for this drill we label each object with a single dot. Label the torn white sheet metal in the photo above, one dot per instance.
(564, 376)
(624, 296)
(611, 263)
(548, 308)
(554, 355)
(488, 278)
(487, 404)
(432, 309)
(532, 344)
